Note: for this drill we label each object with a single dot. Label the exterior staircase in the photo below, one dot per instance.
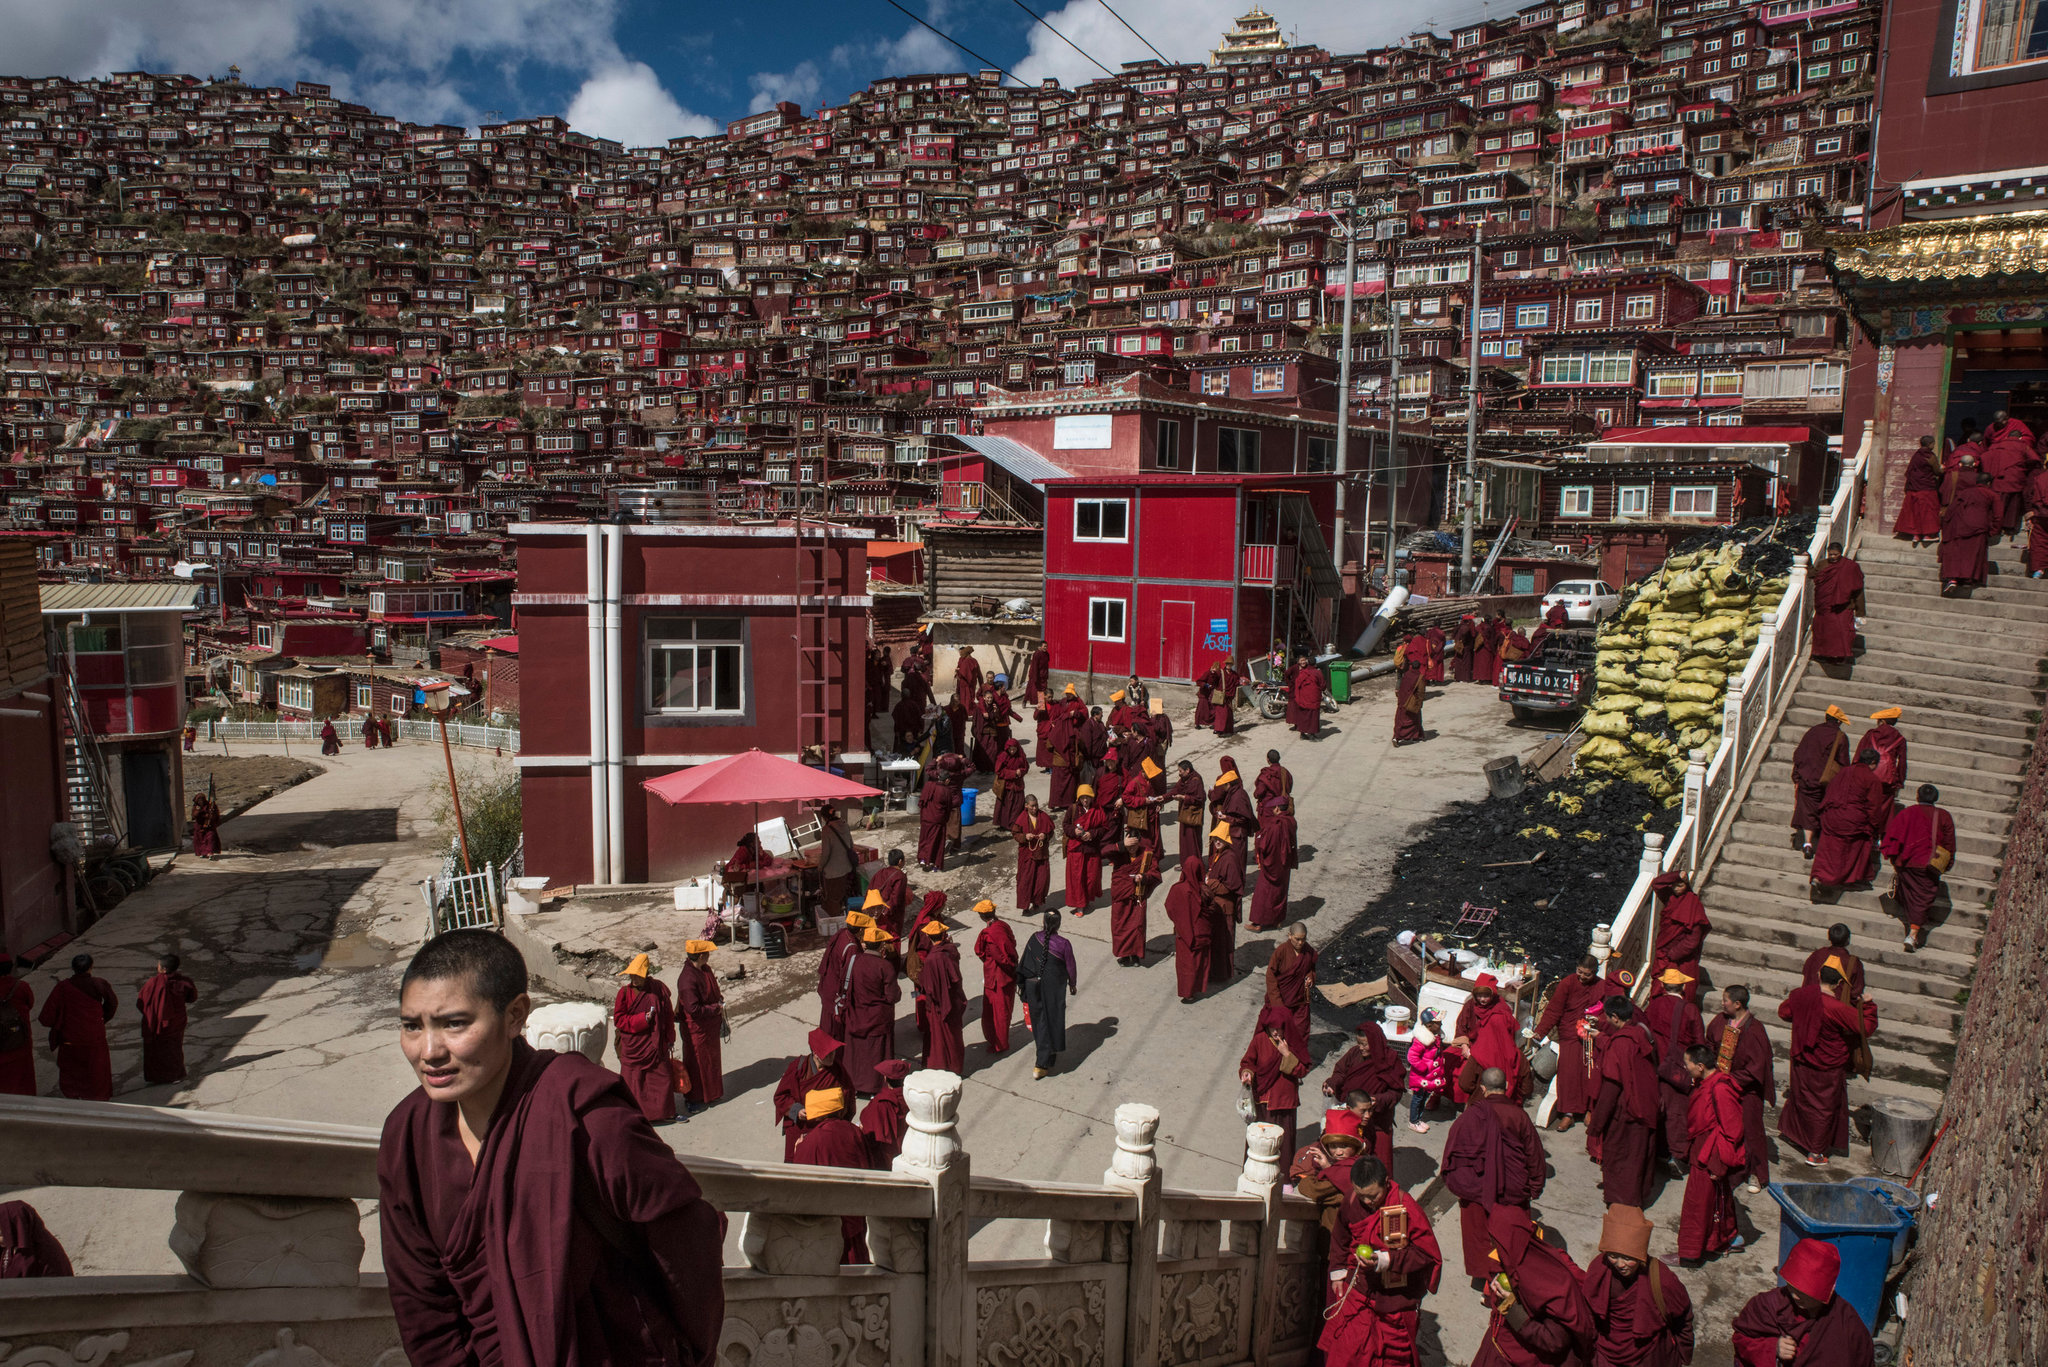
(1968, 674)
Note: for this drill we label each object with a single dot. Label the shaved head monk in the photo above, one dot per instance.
(530, 1214)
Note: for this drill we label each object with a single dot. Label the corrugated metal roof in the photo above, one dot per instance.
(1020, 460)
(69, 598)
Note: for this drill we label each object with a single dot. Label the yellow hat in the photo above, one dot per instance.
(1888, 714)
(1068, 691)
(638, 968)
(1227, 776)
(935, 927)
(1085, 790)
(875, 935)
(874, 899)
(1117, 696)
(826, 1101)
(859, 920)
(1834, 961)
(1151, 770)
(1671, 977)
(698, 946)
(1222, 831)
(984, 908)
(1837, 713)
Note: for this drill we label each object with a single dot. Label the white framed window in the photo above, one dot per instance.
(1102, 519)
(1673, 384)
(1632, 501)
(1106, 619)
(1269, 379)
(1532, 315)
(1587, 310)
(695, 665)
(1215, 382)
(363, 697)
(1639, 306)
(264, 636)
(1693, 500)
(1575, 500)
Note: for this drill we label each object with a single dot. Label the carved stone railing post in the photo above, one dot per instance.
(932, 1151)
(1135, 1168)
(1261, 1178)
(792, 1245)
(569, 1028)
(242, 1242)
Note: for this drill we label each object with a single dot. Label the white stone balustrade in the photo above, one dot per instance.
(570, 1028)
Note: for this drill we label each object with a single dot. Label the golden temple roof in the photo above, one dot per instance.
(1949, 249)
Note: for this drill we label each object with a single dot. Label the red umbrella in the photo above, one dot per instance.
(753, 776)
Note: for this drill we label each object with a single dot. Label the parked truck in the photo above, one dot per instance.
(1559, 678)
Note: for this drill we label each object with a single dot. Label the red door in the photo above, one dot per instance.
(1177, 641)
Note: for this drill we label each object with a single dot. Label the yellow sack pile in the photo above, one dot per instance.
(1663, 666)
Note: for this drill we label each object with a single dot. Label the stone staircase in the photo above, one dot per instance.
(1968, 674)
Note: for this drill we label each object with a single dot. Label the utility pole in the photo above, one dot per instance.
(1344, 385)
(1393, 460)
(1471, 417)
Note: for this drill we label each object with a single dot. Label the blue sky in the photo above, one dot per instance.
(639, 70)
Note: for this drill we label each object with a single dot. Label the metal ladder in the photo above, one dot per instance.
(88, 788)
(820, 659)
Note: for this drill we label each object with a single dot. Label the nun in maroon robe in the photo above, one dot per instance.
(1851, 817)
(1408, 692)
(1186, 908)
(1272, 1071)
(835, 1142)
(1913, 839)
(1063, 758)
(1224, 888)
(1557, 1326)
(517, 1257)
(839, 951)
(700, 1026)
(871, 996)
(1563, 1022)
(1920, 513)
(1823, 752)
(996, 947)
(1011, 769)
(820, 1067)
(943, 1000)
(1486, 1034)
(27, 1248)
(1275, 852)
(1827, 1330)
(1674, 1026)
(1290, 973)
(76, 1014)
(645, 1022)
(1130, 887)
(1966, 529)
(1305, 699)
(1829, 1030)
(883, 1119)
(1465, 649)
(1743, 1051)
(1033, 830)
(1187, 791)
(1837, 601)
(1706, 1223)
(1489, 637)
(1682, 928)
(1434, 638)
(1625, 1111)
(162, 1002)
(1888, 743)
(1229, 802)
(1371, 1066)
(1087, 827)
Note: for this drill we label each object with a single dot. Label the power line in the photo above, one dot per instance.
(1061, 36)
(954, 41)
(1135, 34)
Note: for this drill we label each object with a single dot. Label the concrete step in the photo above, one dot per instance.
(1960, 687)
(1783, 917)
(1963, 615)
(1969, 882)
(1919, 751)
(1764, 826)
(1975, 813)
(2011, 741)
(1974, 790)
(2023, 597)
(2008, 554)
(1911, 1043)
(1937, 658)
(1963, 910)
(1866, 692)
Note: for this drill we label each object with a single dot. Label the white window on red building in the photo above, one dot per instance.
(1693, 501)
(695, 665)
(1575, 500)
(1632, 501)
(1106, 619)
(1102, 519)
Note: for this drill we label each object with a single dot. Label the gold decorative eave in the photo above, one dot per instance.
(1956, 249)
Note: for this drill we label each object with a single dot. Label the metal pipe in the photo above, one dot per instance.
(1471, 419)
(615, 702)
(1393, 423)
(593, 593)
(1344, 390)
(1396, 599)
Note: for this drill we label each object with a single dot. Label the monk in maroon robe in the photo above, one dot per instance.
(1642, 1315)
(1228, 802)
(1433, 637)
(821, 1068)
(1186, 908)
(1087, 826)
(1188, 793)
(1823, 752)
(1290, 975)
(1625, 1110)
(839, 951)
(1273, 1072)
(27, 1248)
(1837, 602)
(1544, 1318)
(996, 947)
(162, 1002)
(1408, 691)
(1370, 1068)
(1492, 1156)
(1743, 1051)
(1920, 513)
(644, 1019)
(1966, 529)
(1674, 1027)
(76, 1014)
(1275, 780)
(1130, 887)
(1682, 928)
(833, 1141)
(1011, 769)
(1485, 1035)
(871, 996)
(2008, 461)
(1563, 1022)
(1382, 1268)
(1274, 848)
(1852, 816)
(1141, 807)
(1830, 1034)
(1305, 699)
(530, 1215)
(884, 1119)
(1706, 1224)
(1036, 672)
(1821, 1328)
(1033, 833)
(1223, 887)
(1490, 635)
(1837, 948)
(18, 1064)
(701, 1027)
(934, 805)
(1464, 648)
(1921, 843)
(2037, 523)
(943, 998)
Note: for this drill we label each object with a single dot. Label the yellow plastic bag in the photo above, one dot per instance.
(1616, 724)
(1692, 692)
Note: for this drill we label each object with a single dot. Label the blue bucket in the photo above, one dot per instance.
(967, 797)
(1862, 1226)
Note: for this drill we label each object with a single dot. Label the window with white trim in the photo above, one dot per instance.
(694, 665)
(1587, 310)
(1693, 501)
(1639, 306)
(1102, 519)
(1575, 500)
(1106, 619)
(1532, 315)
(1269, 379)
(1632, 501)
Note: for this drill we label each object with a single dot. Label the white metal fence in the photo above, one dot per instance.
(350, 730)
(466, 901)
(1714, 786)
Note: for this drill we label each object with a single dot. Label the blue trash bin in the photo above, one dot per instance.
(1860, 1225)
(1902, 1199)
(967, 797)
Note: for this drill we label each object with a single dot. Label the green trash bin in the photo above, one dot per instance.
(1339, 674)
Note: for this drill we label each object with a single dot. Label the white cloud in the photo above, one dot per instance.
(404, 56)
(1186, 30)
(801, 84)
(629, 103)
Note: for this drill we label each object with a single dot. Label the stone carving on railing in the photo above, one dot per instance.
(236, 1242)
(1199, 1319)
(1041, 1326)
(792, 1245)
(569, 1028)
(1134, 1160)
(1261, 1159)
(858, 1337)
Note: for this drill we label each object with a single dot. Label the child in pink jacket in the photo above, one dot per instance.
(1429, 1072)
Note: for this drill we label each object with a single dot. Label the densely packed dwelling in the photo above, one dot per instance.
(328, 357)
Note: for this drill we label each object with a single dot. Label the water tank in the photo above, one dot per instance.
(647, 503)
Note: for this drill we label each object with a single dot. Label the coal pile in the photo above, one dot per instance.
(1585, 834)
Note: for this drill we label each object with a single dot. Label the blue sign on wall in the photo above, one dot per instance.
(1219, 626)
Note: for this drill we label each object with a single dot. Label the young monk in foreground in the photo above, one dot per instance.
(530, 1214)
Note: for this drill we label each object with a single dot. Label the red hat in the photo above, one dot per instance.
(893, 1069)
(1487, 980)
(1665, 882)
(1811, 1268)
(823, 1046)
(1342, 1122)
